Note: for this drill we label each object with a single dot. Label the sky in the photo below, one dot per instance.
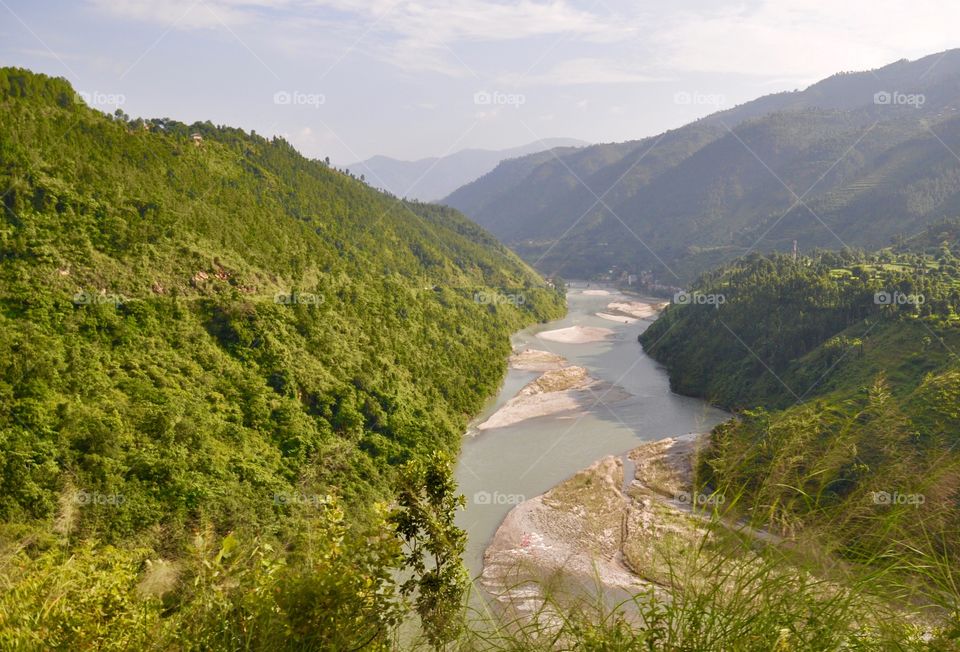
(350, 79)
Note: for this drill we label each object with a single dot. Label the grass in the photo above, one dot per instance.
(716, 598)
(723, 595)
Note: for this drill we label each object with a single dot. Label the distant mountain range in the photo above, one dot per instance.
(429, 179)
(855, 159)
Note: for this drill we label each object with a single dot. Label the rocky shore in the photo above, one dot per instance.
(597, 528)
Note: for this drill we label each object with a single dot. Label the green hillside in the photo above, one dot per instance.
(767, 328)
(215, 354)
(844, 373)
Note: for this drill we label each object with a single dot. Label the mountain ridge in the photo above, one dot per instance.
(677, 203)
(430, 178)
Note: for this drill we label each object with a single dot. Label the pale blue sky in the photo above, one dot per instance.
(353, 78)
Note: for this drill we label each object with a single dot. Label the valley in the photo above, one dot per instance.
(253, 401)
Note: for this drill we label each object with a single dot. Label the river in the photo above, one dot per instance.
(500, 467)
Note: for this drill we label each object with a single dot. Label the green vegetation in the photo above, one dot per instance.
(848, 422)
(233, 380)
(773, 331)
(215, 356)
(714, 597)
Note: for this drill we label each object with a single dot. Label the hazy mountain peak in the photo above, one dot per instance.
(431, 178)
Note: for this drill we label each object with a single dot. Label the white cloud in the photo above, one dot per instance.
(451, 21)
(429, 21)
(180, 14)
(611, 42)
(804, 39)
(414, 36)
(586, 70)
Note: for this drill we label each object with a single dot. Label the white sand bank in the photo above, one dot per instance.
(557, 390)
(576, 334)
(623, 319)
(638, 309)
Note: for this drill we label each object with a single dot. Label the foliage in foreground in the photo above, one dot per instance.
(725, 593)
(332, 587)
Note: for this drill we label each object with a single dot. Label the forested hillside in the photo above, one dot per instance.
(854, 160)
(215, 355)
(843, 370)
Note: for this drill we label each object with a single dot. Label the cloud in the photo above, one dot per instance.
(430, 21)
(180, 14)
(586, 70)
(452, 21)
(414, 36)
(610, 42)
(803, 39)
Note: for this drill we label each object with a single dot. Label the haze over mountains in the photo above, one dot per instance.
(429, 179)
(854, 160)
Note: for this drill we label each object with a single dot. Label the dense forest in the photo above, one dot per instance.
(843, 371)
(791, 319)
(217, 356)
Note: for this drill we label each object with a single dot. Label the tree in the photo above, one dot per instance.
(427, 504)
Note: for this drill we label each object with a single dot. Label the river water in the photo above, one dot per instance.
(499, 468)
